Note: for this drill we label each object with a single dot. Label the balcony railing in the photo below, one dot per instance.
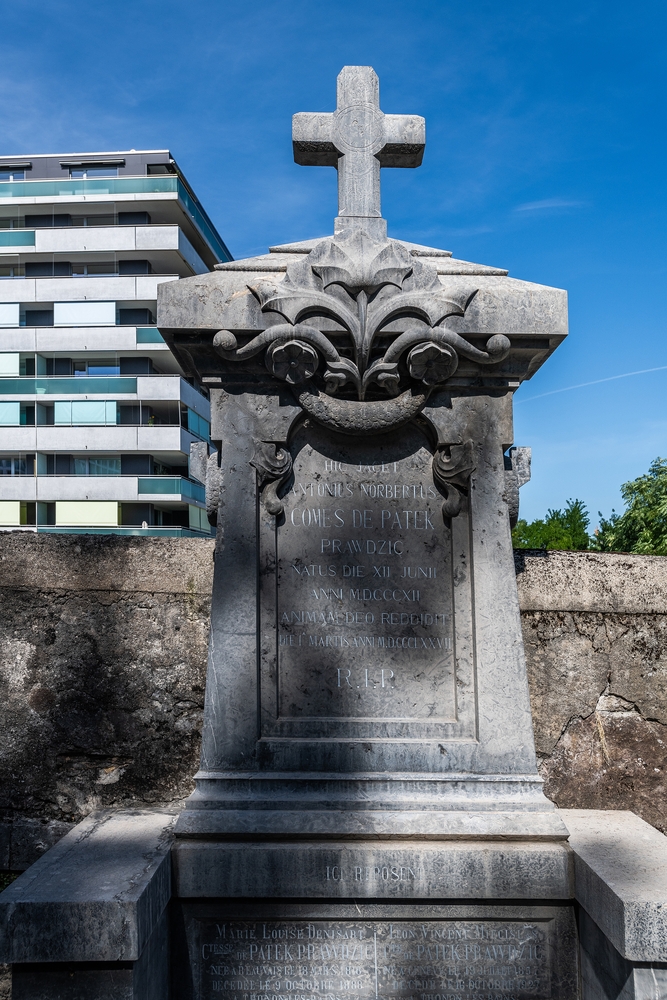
(45, 385)
(149, 335)
(169, 184)
(51, 385)
(170, 532)
(17, 238)
(164, 485)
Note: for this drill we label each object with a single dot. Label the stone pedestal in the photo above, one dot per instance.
(368, 820)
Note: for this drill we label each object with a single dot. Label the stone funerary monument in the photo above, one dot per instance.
(368, 821)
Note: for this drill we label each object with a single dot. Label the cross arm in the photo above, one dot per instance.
(312, 140)
(405, 139)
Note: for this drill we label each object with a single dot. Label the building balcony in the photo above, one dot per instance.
(154, 531)
(149, 239)
(86, 288)
(74, 339)
(140, 387)
(111, 438)
(151, 188)
(156, 489)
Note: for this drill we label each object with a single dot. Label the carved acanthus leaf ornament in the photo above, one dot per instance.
(386, 316)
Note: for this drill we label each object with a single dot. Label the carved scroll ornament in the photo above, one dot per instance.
(452, 466)
(274, 465)
(390, 315)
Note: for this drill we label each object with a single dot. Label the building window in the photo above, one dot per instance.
(17, 465)
(135, 317)
(95, 368)
(84, 412)
(49, 221)
(88, 173)
(11, 271)
(100, 267)
(48, 269)
(38, 317)
(160, 168)
(134, 267)
(93, 220)
(97, 466)
(12, 175)
(134, 219)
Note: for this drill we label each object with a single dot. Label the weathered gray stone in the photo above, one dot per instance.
(620, 878)
(606, 975)
(458, 869)
(97, 896)
(101, 682)
(408, 950)
(48, 783)
(603, 582)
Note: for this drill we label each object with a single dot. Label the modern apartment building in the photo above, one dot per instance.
(96, 417)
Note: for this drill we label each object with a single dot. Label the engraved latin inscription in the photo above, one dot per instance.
(355, 960)
(364, 610)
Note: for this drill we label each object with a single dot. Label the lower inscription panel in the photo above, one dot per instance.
(325, 959)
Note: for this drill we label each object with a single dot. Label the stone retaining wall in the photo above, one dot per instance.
(103, 659)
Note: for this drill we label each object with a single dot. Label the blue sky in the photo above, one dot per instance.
(545, 155)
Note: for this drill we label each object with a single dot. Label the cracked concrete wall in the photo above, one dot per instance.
(103, 658)
(595, 635)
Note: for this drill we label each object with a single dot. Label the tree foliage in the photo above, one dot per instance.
(642, 527)
(561, 529)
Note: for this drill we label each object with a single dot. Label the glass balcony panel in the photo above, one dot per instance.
(49, 385)
(149, 335)
(177, 485)
(110, 185)
(17, 238)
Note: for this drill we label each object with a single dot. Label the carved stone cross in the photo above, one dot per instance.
(358, 139)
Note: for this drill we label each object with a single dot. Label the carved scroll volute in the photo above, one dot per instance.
(452, 467)
(274, 465)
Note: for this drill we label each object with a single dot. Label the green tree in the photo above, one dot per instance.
(561, 529)
(642, 527)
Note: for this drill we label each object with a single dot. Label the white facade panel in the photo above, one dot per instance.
(114, 439)
(157, 237)
(22, 289)
(13, 439)
(9, 313)
(81, 439)
(159, 387)
(75, 239)
(18, 488)
(84, 289)
(75, 339)
(88, 313)
(118, 488)
(18, 339)
(146, 285)
(164, 439)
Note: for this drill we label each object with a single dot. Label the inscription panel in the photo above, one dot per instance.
(474, 959)
(364, 610)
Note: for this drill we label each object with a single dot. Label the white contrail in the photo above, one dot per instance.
(582, 385)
